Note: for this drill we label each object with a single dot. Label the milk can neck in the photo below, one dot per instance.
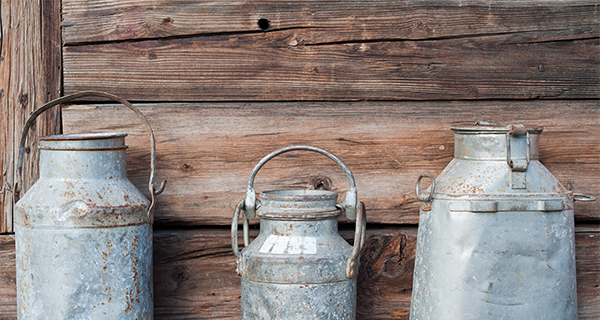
(301, 228)
(83, 156)
(298, 205)
(493, 142)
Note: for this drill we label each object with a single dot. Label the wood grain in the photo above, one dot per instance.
(207, 151)
(273, 67)
(30, 75)
(318, 21)
(194, 274)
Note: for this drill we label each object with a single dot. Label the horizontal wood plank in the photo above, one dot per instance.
(273, 67)
(207, 151)
(194, 274)
(318, 21)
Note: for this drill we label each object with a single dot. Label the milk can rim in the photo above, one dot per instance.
(83, 136)
(485, 127)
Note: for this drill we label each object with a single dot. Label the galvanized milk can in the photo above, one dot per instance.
(298, 267)
(496, 232)
(83, 231)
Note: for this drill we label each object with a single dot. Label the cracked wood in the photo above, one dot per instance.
(318, 21)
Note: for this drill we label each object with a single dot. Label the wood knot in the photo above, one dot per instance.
(23, 100)
(322, 183)
(180, 274)
(168, 21)
(383, 256)
(187, 167)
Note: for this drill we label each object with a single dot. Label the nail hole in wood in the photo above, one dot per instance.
(263, 24)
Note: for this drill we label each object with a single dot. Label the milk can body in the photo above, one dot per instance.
(83, 234)
(299, 267)
(496, 233)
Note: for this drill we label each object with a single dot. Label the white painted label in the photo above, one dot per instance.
(266, 247)
(281, 245)
(309, 245)
(295, 246)
(289, 245)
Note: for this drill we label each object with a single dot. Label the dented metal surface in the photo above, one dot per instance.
(83, 235)
(298, 267)
(496, 239)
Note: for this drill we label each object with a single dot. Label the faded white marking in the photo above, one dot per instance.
(281, 245)
(295, 246)
(266, 247)
(309, 245)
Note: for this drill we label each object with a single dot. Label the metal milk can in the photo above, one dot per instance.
(298, 267)
(83, 231)
(496, 232)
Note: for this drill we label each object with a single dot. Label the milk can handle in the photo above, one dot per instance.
(234, 236)
(429, 197)
(30, 121)
(517, 130)
(583, 197)
(351, 198)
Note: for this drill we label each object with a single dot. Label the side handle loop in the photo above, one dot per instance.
(359, 241)
(583, 197)
(429, 197)
(350, 204)
(234, 236)
(31, 120)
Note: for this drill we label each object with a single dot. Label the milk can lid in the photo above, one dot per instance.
(487, 127)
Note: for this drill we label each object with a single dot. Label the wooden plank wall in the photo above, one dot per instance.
(378, 83)
(30, 75)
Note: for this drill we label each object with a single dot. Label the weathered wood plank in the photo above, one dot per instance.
(8, 282)
(272, 66)
(194, 274)
(207, 151)
(318, 21)
(30, 75)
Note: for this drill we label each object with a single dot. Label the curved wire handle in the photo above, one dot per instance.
(234, 237)
(30, 121)
(351, 198)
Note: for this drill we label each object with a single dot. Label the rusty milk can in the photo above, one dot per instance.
(83, 231)
(496, 232)
(298, 267)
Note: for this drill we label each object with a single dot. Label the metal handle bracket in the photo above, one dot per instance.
(514, 164)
